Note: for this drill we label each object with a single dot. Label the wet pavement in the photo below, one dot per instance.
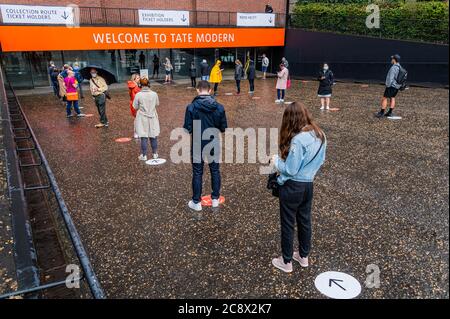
(381, 198)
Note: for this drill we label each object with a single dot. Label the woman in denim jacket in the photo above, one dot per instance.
(302, 153)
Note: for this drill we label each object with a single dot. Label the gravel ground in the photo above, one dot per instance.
(381, 198)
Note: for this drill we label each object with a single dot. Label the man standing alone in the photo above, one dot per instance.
(98, 88)
(392, 87)
(204, 113)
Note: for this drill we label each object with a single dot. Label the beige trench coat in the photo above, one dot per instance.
(146, 122)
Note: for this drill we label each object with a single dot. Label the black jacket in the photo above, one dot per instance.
(326, 84)
(204, 69)
(238, 72)
(251, 73)
(210, 113)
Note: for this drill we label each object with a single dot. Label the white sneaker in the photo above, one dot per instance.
(155, 156)
(135, 135)
(302, 261)
(215, 203)
(197, 207)
(327, 108)
(277, 101)
(322, 108)
(279, 263)
(142, 157)
(282, 101)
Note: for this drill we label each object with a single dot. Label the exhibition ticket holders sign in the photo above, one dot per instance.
(52, 38)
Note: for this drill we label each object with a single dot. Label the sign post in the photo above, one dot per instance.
(21, 14)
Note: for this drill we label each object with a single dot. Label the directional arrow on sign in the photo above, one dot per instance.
(334, 281)
(65, 15)
(270, 20)
(183, 18)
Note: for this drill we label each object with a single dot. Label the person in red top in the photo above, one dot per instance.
(133, 88)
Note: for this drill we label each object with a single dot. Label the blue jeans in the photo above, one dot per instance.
(69, 107)
(205, 78)
(197, 180)
(153, 143)
(280, 94)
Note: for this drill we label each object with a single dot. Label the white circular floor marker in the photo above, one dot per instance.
(154, 162)
(394, 117)
(337, 285)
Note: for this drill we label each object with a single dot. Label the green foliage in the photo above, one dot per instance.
(423, 21)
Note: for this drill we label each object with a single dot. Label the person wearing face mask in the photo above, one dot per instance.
(326, 81)
(98, 88)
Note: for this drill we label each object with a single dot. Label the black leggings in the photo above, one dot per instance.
(193, 81)
(295, 208)
(216, 86)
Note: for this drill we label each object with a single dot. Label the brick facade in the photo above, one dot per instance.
(279, 6)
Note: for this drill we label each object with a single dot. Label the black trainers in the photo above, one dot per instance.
(379, 114)
(389, 113)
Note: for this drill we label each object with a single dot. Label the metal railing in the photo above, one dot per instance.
(30, 285)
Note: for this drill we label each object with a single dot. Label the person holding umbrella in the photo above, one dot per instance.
(98, 88)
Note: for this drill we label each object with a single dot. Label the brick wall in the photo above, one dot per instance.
(279, 6)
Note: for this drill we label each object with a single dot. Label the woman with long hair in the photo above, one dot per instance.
(133, 89)
(302, 148)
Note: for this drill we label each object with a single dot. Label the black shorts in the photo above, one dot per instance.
(390, 92)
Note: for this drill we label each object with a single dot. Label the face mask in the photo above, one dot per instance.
(94, 75)
(325, 68)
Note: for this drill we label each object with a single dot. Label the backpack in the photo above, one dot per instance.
(401, 77)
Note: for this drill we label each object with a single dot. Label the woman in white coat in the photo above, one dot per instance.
(147, 123)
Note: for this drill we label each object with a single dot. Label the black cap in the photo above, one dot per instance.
(396, 57)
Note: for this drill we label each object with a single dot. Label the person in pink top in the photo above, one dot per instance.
(71, 84)
(282, 83)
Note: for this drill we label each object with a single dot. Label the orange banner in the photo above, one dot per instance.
(50, 38)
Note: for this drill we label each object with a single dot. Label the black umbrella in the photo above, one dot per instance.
(108, 76)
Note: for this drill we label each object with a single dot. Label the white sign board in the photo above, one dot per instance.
(143, 73)
(255, 19)
(163, 17)
(337, 285)
(36, 14)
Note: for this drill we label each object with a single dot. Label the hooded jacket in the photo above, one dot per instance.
(133, 89)
(209, 112)
(216, 73)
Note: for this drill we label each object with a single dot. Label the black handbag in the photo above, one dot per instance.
(272, 184)
(272, 180)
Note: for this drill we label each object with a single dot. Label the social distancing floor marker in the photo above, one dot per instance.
(333, 109)
(207, 201)
(365, 86)
(288, 103)
(123, 139)
(88, 115)
(229, 94)
(156, 161)
(394, 117)
(337, 285)
(256, 97)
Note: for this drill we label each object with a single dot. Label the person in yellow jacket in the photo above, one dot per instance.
(216, 75)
